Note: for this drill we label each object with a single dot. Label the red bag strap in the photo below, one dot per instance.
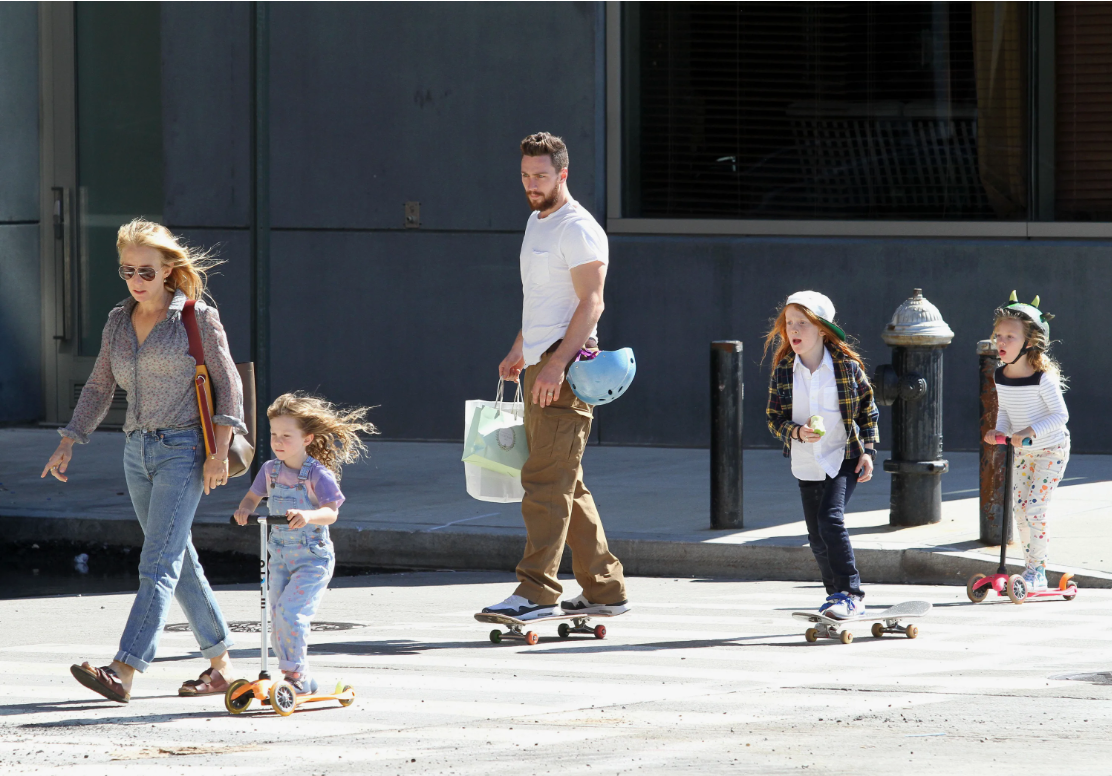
(189, 319)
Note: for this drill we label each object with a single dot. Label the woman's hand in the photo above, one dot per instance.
(59, 462)
(216, 473)
(297, 518)
(864, 468)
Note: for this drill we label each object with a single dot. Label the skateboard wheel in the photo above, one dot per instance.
(235, 702)
(347, 701)
(283, 699)
(496, 637)
(846, 637)
(911, 631)
(811, 635)
(600, 631)
(564, 630)
(1017, 589)
(978, 595)
(531, 638)
(878, 630)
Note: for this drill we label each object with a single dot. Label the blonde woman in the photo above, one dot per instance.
(145, 350)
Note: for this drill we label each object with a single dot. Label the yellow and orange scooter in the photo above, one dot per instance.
(280, 695)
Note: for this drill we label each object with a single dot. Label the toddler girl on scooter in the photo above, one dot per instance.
(1029, 394)
(311, 439)
(820, 405)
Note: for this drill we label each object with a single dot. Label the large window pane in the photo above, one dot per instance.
(119, 145)
(826, 110)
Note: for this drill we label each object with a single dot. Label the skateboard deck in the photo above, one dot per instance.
(519, 629)
(886, 621)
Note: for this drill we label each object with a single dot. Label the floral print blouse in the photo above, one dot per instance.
(158, 376)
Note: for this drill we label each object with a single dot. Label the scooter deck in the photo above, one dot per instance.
(885, 621)
(519, 629)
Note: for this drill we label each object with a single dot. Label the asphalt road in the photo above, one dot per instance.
(704, 676)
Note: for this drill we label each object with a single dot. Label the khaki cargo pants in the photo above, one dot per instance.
(558, 508)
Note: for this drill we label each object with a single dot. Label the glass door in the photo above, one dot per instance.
(102, 97)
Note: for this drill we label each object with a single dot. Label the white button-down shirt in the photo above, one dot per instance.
(817, 394)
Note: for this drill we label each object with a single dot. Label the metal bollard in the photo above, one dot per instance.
(992, 458)
(912, 385)
(726, 396)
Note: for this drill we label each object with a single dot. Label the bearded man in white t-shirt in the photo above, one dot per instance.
(563, 269)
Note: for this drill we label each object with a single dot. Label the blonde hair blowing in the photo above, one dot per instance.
(1039, 354)
(335, 431)
(189, 267)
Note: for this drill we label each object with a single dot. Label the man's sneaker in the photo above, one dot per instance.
(521, 609)
(1035, 578)
(842, 606)
(580, 605)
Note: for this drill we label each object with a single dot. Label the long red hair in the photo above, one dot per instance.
(777, 338)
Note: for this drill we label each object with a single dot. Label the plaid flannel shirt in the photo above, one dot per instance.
(855, 400)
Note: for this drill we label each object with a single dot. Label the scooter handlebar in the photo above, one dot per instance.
(1003, 439)
(232, 519)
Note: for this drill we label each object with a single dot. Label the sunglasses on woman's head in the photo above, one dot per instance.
(146, 273)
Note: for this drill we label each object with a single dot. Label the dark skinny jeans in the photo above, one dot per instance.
(824, 506)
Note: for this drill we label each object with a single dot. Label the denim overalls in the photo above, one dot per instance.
(301, 564)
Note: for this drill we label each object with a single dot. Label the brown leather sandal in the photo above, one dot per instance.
(103, 680)
(210, 682)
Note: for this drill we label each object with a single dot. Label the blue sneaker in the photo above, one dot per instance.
(842, 606)
(306, 685)
(1035, 578)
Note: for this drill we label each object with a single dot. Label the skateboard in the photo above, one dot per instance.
(887, 621)
(518, 629)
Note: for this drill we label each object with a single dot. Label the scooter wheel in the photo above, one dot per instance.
(233, 701)
(878, 630)
(1017, 589)
(978, 595)
(911, 631)
(811, 635)
(347, 701)
(283, 699)
(847, 637)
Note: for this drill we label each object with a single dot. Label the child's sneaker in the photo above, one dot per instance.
(1035, 578)
(303, 685)
(521, 609)
(842, 606)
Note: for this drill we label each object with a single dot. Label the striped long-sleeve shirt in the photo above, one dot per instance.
(1034, 401)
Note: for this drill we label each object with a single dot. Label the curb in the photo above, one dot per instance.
(501, 550)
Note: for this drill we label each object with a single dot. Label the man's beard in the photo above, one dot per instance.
(546, 203)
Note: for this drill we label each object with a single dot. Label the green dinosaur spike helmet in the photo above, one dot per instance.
(1032, 311)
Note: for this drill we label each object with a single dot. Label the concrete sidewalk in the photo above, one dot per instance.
(407, 507)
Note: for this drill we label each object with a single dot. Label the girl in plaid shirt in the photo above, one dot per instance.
(820, 405)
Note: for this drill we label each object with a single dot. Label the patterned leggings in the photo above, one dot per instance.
(1036, 477)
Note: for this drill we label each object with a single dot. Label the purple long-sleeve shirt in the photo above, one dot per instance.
(158, 376)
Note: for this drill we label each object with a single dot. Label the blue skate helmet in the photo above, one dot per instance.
(605, 377)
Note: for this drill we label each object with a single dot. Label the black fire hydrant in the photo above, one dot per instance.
(912, 385)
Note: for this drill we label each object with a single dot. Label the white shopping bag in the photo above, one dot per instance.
(495, 437)
(486, 484)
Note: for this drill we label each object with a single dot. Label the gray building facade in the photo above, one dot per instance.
(372, 106)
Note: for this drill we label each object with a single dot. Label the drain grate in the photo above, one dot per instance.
(253, 627)
(1104, 677)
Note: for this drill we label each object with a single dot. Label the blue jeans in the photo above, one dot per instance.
(824, 506)
(164, 477)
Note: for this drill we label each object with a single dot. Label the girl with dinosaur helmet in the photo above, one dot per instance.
(1029, 393)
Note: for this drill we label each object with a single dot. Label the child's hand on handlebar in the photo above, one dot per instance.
(990, 436)
(241, 515)
(297, 518)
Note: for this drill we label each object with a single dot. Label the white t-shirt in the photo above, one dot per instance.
(817, 394)
(552, 247)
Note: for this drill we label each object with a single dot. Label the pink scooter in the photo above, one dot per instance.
(1012, 586)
